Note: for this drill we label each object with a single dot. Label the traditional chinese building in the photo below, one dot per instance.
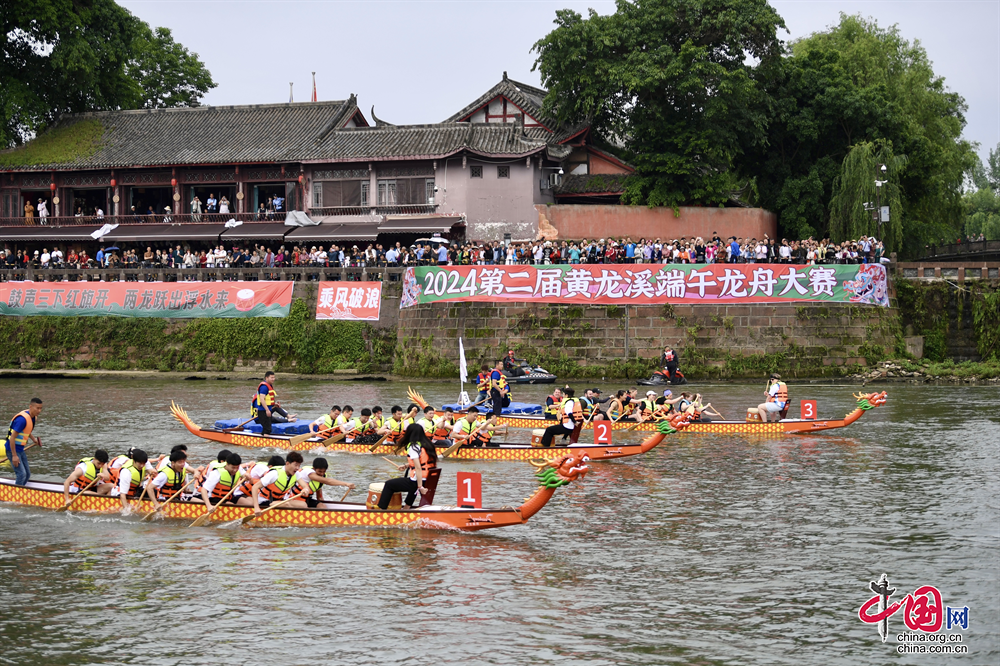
(479, 174)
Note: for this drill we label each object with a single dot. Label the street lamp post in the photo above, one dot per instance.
(878, 199)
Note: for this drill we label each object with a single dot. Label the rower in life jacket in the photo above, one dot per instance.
(128, 477)
(552, 405)
(221, 479)
(172, 479)
(443, 427)
(395, 426)
(314, 478)
(85, 473)
(427, 421)
(325, 426)
(278, 483)
(484, 433)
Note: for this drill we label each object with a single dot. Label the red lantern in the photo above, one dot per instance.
(173, 182)
(302, 179)
(113, 183)
(52, 186)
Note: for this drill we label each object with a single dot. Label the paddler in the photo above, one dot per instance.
(465, 427)
(220, 461)
(645, 408)
(18, 435)
(427, 422)
(220, 480)
(484, 433)
(571, 414)
(353, 427)
(499, 390)
(265, 407)
(314, 477)
(172, 478)
(128, 477)
(326, 422)
(421, 458)
(777, 399)
(443, 427)
(278, 484)
(552, 405)
(396, 426)
(345, 415)
(616, 408)
(252, 472)
(367, 431)
(85, 472)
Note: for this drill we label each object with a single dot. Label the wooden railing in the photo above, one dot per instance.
(963, 251)
(299, 274)
(948, 270)
(159, 218)
(407, 209)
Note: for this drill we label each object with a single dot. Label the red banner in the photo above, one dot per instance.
(359, 301)
(180, 300)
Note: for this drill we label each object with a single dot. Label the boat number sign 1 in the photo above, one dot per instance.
(470, 490)
(602, 433)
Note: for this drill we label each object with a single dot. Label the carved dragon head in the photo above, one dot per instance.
(674, 423)
(557, 472)
(870, 401)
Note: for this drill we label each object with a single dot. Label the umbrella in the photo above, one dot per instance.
(109, 249)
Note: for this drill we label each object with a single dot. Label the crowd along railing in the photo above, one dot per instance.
(234, 274)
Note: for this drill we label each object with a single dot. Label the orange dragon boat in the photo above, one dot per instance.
(506, 452)
(551, 474)
(865, 402)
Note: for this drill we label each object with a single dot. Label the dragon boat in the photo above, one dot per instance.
(513, 452)
(551, 474)
(865, 402)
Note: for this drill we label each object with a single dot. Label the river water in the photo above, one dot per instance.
(708, 550)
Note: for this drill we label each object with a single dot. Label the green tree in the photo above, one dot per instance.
(859, 83)
(671, 80)
(72, 56)
(982, 206)
(854, 194)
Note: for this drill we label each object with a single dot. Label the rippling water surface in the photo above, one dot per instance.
(708, 550)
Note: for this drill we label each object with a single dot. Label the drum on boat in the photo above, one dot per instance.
(375, 494)
(536, 437)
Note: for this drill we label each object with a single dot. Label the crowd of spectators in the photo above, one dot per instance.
(601, 251)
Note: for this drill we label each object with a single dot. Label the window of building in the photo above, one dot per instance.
(476, 172)
(387, 193)
(503, 172)
(317, 195)
(429, 190)
(364, 193)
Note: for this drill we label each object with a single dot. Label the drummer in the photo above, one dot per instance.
(421, 459)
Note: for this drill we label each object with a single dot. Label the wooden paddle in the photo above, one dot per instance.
(163, 504)
(79, 494)
(237, 427)
(298, 439)
(377, 444)
(201, 520)
(457, 445)
(247, 519)
(5, 459)
(335, 439)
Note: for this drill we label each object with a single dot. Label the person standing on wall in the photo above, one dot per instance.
(18, 435)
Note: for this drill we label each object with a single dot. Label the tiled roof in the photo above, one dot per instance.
(528, 98)
(427, 141)
(209, 135)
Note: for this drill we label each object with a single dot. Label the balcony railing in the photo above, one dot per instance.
(159, 218)
(287, 273)
(971, 249)
(406, 209)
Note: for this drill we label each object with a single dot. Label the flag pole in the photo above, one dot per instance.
(291, 97)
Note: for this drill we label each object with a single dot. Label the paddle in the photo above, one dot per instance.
(457, 445)
(247, 519)
(163, 504)
(298, 439)
(237, 427)
(335, 439)
(5, 459)
(377, 444)
(79, 494)
(201, 520)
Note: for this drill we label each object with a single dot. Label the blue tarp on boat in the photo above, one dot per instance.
(515, 409)
(297, 428)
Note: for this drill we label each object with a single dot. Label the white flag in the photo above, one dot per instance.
(233, 223)
(463, 369)
(103, 231)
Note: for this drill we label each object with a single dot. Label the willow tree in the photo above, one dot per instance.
(854, 190)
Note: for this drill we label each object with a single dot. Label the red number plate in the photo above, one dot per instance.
(470, 490)
(602, 433)
(808, 408)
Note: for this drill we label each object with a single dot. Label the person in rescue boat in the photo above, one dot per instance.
(220, 480)
(85, 472)
(421, 458)
(777, 399)
(314, 477)
(669, 360)
(552, 405)
(571, 415)
(18, 434)
(279, 484)
(483, 384)
(265, 407)
(512, 365)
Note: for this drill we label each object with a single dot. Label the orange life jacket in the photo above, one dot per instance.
(425, 465)
(442, 431)
(175, 481)
(396, 429)
(577, 410)
(782, 394)
(483, 436)
(270, 400)
(226, 483)
(90, 472)
(483, 381)
(22, 438)
(277, 489)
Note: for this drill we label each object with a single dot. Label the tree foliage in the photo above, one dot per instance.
(982, 205)
(670, 80)
(72, 56)
(854, 194)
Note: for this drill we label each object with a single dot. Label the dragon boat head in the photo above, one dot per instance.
(870, 401)
(556, 472)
